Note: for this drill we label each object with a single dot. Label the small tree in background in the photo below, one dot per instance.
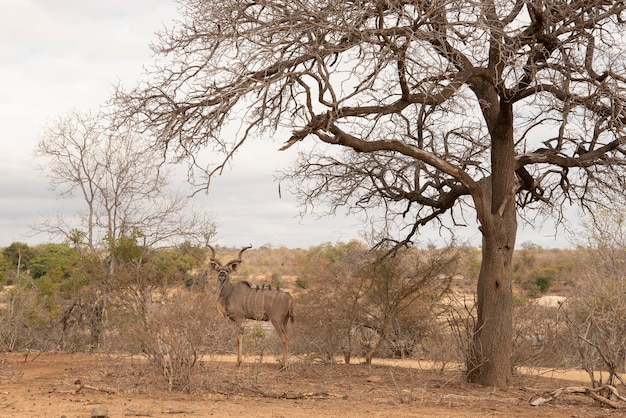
(331, 305)
(16, 258)
(397, 283)
(360, 301)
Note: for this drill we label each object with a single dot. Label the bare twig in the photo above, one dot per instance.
(138, 414)
(179, 411)
(82, 386)
(285, 395)
(592, 392)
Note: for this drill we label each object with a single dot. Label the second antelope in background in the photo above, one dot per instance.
(240, 301)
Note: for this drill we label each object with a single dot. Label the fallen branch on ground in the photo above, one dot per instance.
(180, 411)
(132, 413)
(285, 395)
(82, 386)
(592, 392)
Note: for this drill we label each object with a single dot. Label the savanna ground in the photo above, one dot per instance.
(72, 385)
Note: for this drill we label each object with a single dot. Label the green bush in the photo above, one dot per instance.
(542, 283)
(301, 283)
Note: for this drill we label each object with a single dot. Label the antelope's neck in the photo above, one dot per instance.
(224, 289)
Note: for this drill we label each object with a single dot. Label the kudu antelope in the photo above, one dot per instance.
(240, 301)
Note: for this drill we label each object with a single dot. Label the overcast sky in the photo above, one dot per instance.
(62, 55)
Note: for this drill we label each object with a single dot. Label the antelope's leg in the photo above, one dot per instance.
(239, 344)
(284, 337)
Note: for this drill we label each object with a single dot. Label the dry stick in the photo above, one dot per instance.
(592, 392)
(138, 414)
(82, 386)
(180, 411)
(8, 405)
(612, 371)
(28, 353)
(285, 395)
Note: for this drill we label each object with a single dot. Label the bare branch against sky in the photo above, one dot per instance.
(61, 56)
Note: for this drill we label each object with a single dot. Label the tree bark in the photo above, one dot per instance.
(490, 357)
(490, 360)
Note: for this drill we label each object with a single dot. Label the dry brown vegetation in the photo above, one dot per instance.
(165, 350)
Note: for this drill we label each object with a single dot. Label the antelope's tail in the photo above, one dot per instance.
(292, 315)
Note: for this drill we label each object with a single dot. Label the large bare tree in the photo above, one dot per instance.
(424, 108)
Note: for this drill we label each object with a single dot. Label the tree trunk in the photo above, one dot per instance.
(490, 357)
(382, 337)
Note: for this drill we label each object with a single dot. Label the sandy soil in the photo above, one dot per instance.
(45, 385)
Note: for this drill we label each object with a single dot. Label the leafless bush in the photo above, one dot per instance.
(13, 320)
(81, 324)
(595, 317)
(319, 332)
(25, 322)
(373, 303)
(420, 331)
(596, 311)
(441, 347)
(461, 318)
(259, 339)
(541, 338)
(180, 329)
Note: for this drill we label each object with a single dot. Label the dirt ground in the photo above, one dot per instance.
(72, 385)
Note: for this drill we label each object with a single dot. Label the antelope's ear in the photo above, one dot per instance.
(233, 265)
(214, 265)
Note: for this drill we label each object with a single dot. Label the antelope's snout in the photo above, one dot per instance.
(222, 275)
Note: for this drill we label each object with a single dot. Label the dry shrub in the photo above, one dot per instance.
(442, 348)
(596, 311)
(178, 332)
(26, 323)
(595, 317)
(32, 321)
(461, 318)
(16, 308)
(319, 331)
(260, 338)
(540, 337)
(374, 305)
